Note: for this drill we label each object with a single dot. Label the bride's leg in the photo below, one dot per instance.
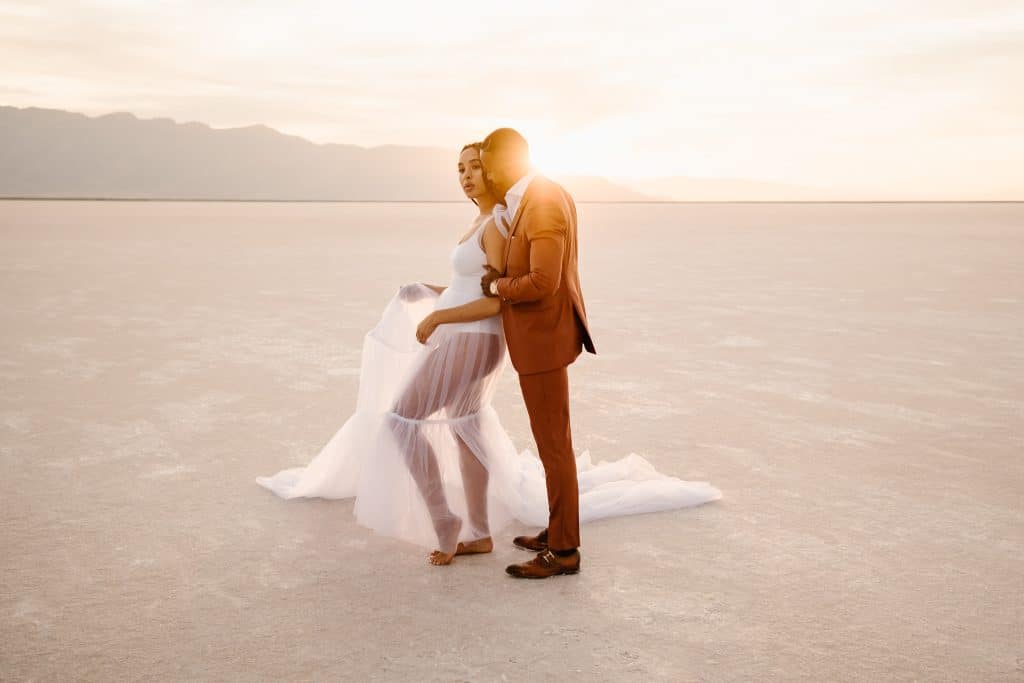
(482, 355)
(421, 461)
(418, 402)
(453, 377)
(474, 479)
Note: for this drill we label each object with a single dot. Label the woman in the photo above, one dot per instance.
(456, 375)
(425, 454)
(424, 430)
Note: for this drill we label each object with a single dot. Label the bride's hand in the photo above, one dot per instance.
(426, 328)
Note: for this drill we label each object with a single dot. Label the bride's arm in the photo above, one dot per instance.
(437, 288)
(478, 309)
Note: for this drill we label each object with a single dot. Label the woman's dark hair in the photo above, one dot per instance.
(487, 183)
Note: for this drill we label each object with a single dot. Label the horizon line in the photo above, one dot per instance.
(456, 201)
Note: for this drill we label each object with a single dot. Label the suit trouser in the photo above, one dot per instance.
(546, 395)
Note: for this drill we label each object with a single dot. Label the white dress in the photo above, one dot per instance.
(425, 454)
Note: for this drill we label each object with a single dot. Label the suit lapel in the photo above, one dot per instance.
(508, 248)
(519, 214)
(515, 219)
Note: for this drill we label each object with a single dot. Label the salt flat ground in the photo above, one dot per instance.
(850, 376)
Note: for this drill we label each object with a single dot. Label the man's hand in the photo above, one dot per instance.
(490, 275)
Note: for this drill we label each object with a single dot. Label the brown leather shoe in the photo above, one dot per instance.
(536, 543)
(544, 565)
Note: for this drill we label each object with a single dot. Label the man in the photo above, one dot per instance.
(546, 328)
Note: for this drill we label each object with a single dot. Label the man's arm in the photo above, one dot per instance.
(546, 228)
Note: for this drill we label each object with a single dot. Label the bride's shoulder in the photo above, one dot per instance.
(491, 228)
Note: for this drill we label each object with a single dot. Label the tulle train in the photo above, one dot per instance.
(426, 456)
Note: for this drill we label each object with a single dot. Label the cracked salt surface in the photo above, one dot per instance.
(868, 448)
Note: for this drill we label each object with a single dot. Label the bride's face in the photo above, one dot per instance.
(471, 174)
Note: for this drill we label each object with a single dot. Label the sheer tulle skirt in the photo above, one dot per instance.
(426, 456)
(422, 449)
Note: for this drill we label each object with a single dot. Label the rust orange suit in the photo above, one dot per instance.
(545, 324)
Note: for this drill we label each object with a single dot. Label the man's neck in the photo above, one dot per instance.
(520, 179)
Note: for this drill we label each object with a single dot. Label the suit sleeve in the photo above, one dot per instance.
(546, 226)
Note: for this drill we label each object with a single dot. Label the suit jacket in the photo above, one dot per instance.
(542, 309)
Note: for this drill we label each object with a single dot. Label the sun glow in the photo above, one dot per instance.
(611, 149)
(576, 154)
(649, 91)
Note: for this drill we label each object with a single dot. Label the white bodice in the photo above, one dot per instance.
(468, 260)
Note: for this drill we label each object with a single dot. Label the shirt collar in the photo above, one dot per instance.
(505, 214)
(519, 188)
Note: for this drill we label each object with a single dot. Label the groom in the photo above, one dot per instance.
(545, 326)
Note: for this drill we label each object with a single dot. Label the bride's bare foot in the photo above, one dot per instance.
(438, 558)
(447, 533)
(477, 547)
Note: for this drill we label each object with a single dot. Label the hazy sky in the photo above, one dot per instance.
(916, 96)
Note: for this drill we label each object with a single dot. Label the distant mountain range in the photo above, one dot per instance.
(47, 153)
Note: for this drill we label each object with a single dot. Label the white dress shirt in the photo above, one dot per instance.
(504, 215)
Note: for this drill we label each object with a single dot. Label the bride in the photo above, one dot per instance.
(425, 454)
